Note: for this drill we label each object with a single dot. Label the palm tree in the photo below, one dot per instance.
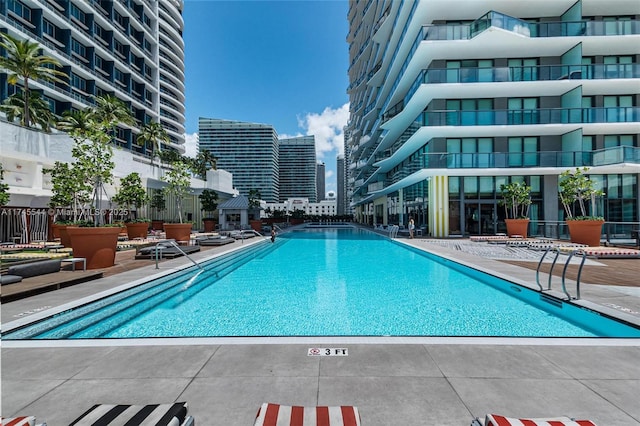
(38, 111)
(111, 111)
(204, 161)
(24, 61)
(152, 133)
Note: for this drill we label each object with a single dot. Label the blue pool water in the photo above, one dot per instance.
(340, 282)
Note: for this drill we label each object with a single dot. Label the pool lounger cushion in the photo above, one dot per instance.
(33, 269)
(216, 241)
(283, 415)
(166, 252)
(174, 414)
(10, 279)
(497, 420)
(21, 421)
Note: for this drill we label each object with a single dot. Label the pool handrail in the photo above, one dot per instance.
(578, 251)
(173, 243)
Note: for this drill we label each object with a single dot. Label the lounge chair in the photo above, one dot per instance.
(284, 415)
(215, 241)
(21, 421)
(498, 420)
(165, 251)
(174, 414)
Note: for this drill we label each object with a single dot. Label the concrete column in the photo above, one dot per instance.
(439, 206)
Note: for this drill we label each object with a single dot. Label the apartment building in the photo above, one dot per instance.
(297, 166)
(450, 99)
(249, 151)
(129, 49)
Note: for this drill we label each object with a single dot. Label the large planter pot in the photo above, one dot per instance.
(256, 225)
(60, 231)
(209, 225)
(517, 227)
(97, 245)
(157, 225)
(137, 230)
(586, 232)
(178, 231)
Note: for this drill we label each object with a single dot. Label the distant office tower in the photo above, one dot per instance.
(130, 49)
(340, 194)
(298, 168)
(320, 179)
(247, 150)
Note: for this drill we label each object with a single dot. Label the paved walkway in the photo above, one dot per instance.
(394, 381)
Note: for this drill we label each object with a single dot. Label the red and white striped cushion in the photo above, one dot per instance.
(496, 420)
(284, 415)
(19, 421)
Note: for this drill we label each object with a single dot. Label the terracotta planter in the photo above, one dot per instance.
(137, 230)
(256, 225)
(178, 231)
(157, 225)
(517, 227)
(585, 231)
(97, 245)
(62, 234)
(209, 225)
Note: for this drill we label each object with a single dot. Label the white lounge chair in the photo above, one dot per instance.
(284, 415)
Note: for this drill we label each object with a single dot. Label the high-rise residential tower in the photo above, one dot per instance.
(320, 180)
(297, 165)
(450, 99)
(130, 49)
(247, 150)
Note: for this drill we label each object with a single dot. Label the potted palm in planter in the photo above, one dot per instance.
(4, 189)
(157, 204)
(92, 131)
(178, 184)
(516, 199)
(209, 203)
(577, 187)
(133, 194)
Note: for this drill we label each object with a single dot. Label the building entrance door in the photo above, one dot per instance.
(481, 218)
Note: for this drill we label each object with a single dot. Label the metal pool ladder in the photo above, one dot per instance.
(578, 251)
(173, 243)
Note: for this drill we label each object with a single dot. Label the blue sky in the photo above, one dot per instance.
(277, 62)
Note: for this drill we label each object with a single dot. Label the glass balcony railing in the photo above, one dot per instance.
(617, 27)
(602, 157)
(530, 116)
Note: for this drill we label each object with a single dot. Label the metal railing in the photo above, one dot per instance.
(158, 250)
(578, 251)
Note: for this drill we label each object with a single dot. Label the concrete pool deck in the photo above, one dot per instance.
(393, 381)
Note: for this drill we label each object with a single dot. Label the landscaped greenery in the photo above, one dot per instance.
(25, 61)
(131, 194)
(178, 184)
(4, 188)
(577, 187)
(516, 199)
(153, 134)
(92, 130)
(208, 201)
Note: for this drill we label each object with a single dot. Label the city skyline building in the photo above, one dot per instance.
(341, 200)
(132, 50)
(451, 100)
(297, 165)
(320, 180)
(249, 151)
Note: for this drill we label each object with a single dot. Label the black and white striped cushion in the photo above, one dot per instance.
(134, 415)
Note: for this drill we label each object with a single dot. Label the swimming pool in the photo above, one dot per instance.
(330, 282)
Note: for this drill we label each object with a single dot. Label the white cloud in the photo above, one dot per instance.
(327, 127)
(191, 145)
(328, 174)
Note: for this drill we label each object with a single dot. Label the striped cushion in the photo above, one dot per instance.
(130, 415)
(496, 420)
(19, 421)
(283, 415)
